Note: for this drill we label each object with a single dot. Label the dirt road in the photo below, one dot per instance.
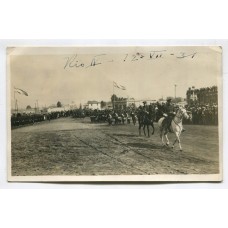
(70, 146)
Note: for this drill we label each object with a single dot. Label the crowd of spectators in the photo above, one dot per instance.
(203, 104)
(23, 119)
(203, 114)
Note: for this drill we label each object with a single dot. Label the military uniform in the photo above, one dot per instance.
(168, 109)
(145, 107)
(145, 110)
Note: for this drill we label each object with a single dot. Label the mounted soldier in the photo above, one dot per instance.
(145, 119)
(145, 107)
(168, 113)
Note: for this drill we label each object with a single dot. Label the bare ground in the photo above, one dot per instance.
(77, 147)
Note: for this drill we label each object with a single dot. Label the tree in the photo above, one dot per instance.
(59, 104)
(28, 107)
(114, 98)
(103, 104)
(172, 98)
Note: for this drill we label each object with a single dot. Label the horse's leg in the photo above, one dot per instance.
(178, 139)
(174, 143)
(148, 130)
(161, 136)
(144, 126)
(167, 140)
(152, 125)
(139, 129)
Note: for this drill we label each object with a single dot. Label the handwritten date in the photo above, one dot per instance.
(75, 62)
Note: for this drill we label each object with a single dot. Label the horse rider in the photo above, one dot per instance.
(145, 107)
(168, 113)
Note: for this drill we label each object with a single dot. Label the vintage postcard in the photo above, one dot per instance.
(114, 113)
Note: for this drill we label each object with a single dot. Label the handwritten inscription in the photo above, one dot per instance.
(74, 61)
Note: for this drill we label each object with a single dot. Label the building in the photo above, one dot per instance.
(120, 103)
(29, 111)
(191, 95)
(131, 102)
(202, 96)
(94, 105)
(123, 103)
(108, 105)
(55, 109)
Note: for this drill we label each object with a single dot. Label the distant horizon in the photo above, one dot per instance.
(78, 105)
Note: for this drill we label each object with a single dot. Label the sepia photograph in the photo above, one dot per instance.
(114, 113)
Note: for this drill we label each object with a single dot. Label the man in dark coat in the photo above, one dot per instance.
(145, 107)
(169, 112)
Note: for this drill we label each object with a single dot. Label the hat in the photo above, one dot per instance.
(144, 102)
(169, 99)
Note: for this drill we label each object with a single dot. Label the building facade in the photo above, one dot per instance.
(202, 96)
(94, 105)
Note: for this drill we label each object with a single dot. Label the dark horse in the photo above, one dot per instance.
(146, 119)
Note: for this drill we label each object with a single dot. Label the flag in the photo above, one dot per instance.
(123, 87)
(115, 85)
(119, 86)
(20, 91)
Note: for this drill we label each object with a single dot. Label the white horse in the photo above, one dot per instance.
(176, 126)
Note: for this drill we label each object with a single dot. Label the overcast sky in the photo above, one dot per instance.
(65, 74)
